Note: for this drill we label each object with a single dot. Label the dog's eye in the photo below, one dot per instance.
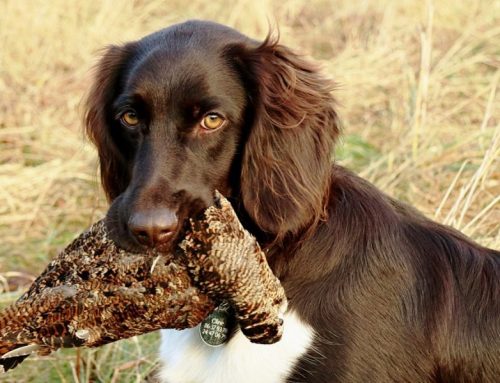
(129, 118)
(212, 121)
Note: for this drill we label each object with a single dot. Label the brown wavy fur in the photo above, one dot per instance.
(287, 156)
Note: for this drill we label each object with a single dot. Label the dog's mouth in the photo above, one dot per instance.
(118, 226)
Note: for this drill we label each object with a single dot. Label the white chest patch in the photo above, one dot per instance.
(187, 359)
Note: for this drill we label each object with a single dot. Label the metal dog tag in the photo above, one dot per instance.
(214, 330)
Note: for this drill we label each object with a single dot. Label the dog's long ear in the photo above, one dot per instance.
(286, 166)
(99, 119)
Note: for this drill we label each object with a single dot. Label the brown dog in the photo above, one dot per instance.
(376, 291)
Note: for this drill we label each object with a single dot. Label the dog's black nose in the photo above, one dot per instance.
(153, 227)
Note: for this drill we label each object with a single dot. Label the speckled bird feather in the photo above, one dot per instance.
(95, 293)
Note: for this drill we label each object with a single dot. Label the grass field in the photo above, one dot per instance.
(418, 93)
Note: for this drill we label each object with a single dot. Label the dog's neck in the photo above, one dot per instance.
(342, 217)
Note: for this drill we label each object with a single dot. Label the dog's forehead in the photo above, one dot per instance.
(170, 67)
(184, 53)
(181, 72)
(165, 78)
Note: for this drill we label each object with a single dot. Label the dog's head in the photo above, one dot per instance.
(198, 107)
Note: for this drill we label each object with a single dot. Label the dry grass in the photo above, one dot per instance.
(418, 87)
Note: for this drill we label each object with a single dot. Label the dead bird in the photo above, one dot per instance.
(95, 293)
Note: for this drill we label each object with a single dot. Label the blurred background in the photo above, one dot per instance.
(417, 91)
